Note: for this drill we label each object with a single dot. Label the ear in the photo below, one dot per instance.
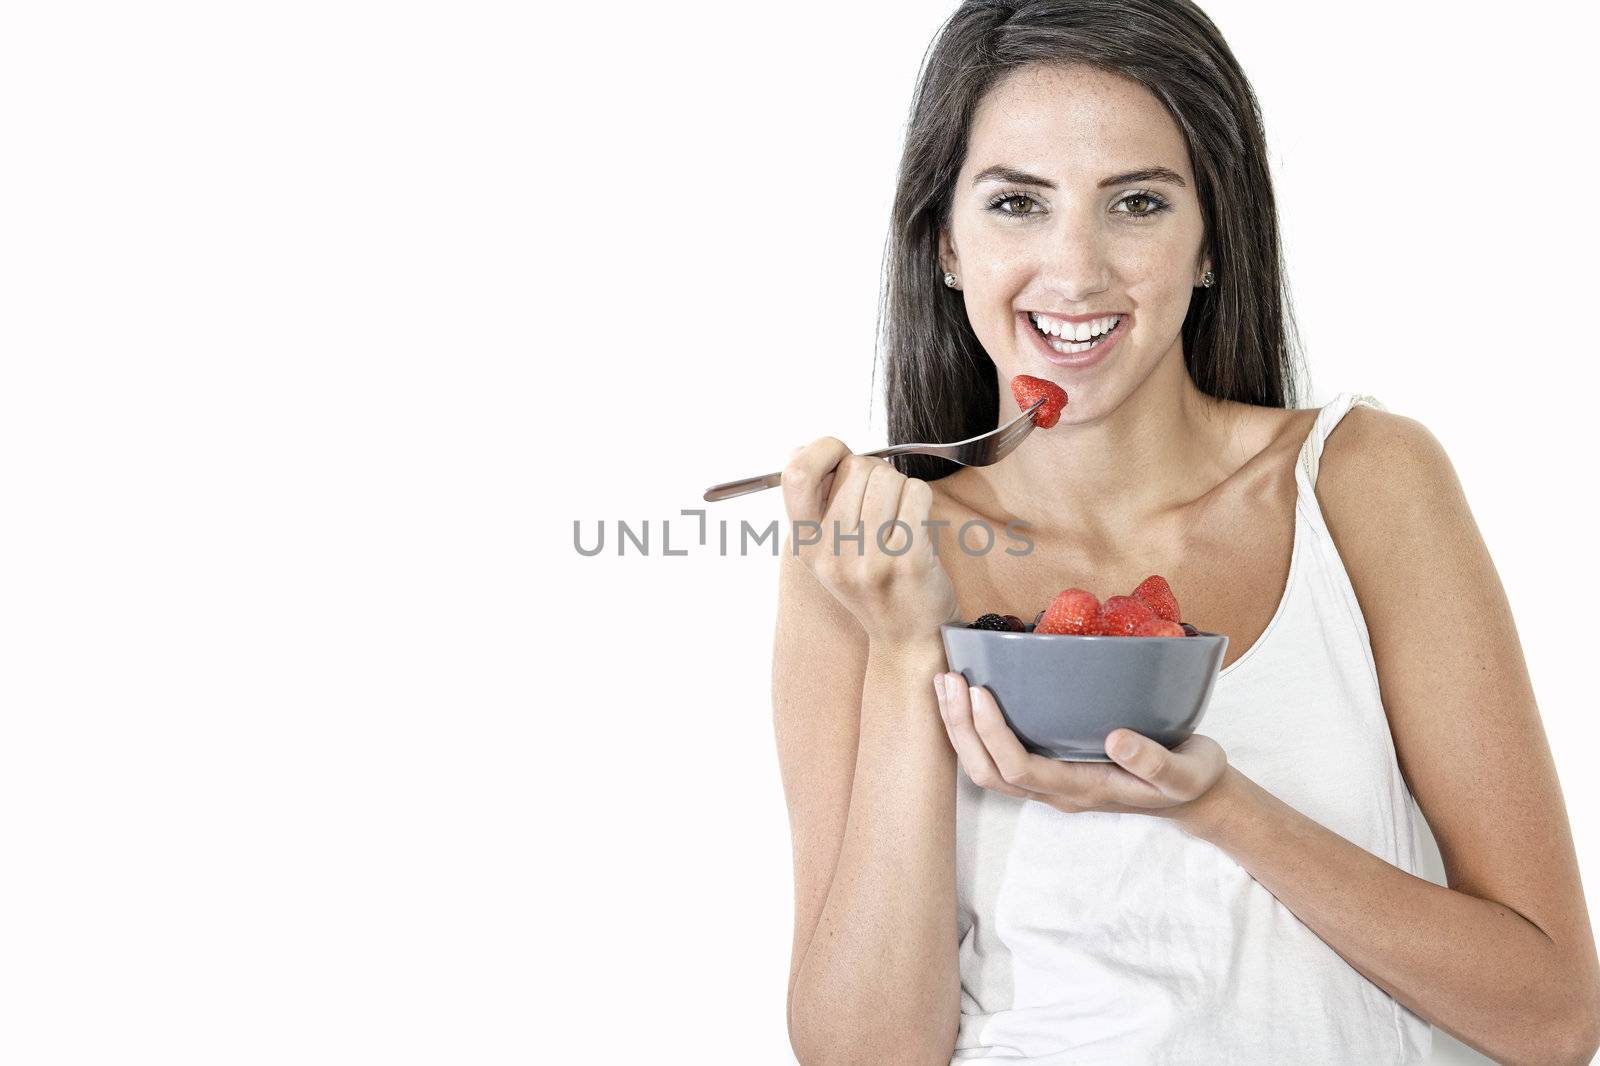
(949, 263)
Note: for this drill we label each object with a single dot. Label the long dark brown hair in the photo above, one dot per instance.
(1239, 340)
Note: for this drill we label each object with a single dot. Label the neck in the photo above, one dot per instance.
(1165, 445)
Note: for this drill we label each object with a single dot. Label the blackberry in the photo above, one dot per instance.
(999, 623)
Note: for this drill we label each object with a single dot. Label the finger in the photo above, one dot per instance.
(1067, 785)
(805, 486)
(956, 708)
(1014, 763)
(880, 503)
(916, 501)
(1181, 774)
(844, 504)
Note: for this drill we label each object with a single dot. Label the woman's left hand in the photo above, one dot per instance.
(1148, 778)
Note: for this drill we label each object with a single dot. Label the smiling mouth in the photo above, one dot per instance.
(1073, 347)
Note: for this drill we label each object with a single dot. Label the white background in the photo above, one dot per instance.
(323, 322)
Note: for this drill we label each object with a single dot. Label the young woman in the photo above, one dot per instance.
(1253, 895)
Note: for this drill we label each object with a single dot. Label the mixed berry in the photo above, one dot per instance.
(1002, 623)
(1029, 390)
(1151, 611)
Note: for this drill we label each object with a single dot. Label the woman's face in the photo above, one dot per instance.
(1045, 219)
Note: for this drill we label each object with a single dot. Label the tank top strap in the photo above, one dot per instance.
(1324, 567)
(1327, 418)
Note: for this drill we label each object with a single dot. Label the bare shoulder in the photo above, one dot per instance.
(1400, 521)
(1381, 451)
(1395, 507)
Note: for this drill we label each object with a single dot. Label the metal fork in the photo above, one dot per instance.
(985, 448)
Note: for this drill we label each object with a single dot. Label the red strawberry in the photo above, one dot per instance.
(1122, 614)
(1158, 627)
(1030, 390)
(1072, 611)
(1156, 594)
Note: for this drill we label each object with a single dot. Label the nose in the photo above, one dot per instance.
(1076, 265)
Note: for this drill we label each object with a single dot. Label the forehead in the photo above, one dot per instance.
(1073, 122)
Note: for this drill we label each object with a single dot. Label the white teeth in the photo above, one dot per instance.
(1079, 331)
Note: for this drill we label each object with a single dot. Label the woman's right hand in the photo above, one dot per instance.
(897, 589)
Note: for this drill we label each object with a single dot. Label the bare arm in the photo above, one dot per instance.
(869, 778)
(1504, 958)
(819, 664)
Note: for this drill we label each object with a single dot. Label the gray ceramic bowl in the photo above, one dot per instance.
(1062, 695)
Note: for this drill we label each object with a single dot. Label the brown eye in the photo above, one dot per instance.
(999, 203)
(1151, 204)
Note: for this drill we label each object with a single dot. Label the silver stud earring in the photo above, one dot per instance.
(1208, 279)
(950, 280)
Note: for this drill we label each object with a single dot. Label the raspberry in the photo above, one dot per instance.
(998, 623)
(1156, 594)
(1158, 627)
(1029, 390)
(1122, 613)
(1072, 611)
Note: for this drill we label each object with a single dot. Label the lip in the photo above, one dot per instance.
(1081, 359)
(1090, 317)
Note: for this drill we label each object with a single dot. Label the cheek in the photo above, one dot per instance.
(999, 282)
(1155, 265)
(1001, 266)
(1160, 285)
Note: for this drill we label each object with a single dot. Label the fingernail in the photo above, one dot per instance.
(938, 686)
(1124, 747)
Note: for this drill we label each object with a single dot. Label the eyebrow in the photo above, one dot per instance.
(1018, 177)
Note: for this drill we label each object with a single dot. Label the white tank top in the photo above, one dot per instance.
(1102, 938)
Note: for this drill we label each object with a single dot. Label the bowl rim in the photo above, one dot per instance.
(1075, 636)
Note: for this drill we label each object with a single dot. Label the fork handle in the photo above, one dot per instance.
(772, 481)
(742, 486)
